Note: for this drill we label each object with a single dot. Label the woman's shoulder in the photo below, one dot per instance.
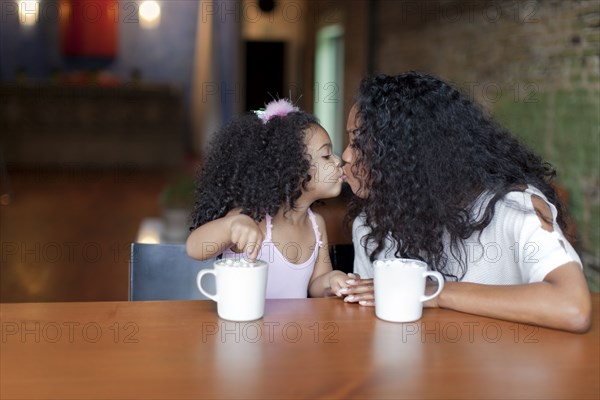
(524, 209)
(359, 224)
(360, 219)
(528, 198)
(524, 205)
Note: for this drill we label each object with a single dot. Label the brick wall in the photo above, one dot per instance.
(534, 65)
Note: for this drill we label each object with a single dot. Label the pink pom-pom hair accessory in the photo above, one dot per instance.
(276, 108)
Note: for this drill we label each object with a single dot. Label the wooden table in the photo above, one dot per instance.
(314, 348)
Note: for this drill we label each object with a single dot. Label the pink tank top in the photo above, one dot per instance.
(286, 280)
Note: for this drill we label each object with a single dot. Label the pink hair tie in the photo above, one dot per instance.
(276, 108)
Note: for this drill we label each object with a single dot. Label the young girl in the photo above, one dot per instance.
(436, 179)
(261, 175)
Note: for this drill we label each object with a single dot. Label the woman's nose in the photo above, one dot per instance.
(347, 155)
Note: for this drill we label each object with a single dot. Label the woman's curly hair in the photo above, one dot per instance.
(254, 166)
(428, 152)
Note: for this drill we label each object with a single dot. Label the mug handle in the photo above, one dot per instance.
(439, 278)
(203, 272)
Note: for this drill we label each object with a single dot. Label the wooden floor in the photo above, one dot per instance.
(65, 236)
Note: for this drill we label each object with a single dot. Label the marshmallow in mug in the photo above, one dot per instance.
(230, 262)
(399, 262)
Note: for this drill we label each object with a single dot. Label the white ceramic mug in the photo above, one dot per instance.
(241, 288)
(400, 288)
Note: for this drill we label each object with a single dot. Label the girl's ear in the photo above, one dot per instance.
(307, 177)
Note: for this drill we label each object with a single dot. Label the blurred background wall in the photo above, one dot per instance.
(105, 112)
(534, 65)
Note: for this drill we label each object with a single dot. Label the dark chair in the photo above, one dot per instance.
(342, 256)
(165, 272)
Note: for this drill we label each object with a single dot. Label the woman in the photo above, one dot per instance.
(437, 180)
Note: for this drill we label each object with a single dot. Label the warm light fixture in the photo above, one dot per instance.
(149, 240)
(29, 11)
(149, 14)
(150, 230)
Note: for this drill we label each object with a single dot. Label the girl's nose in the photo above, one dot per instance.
(339, 161)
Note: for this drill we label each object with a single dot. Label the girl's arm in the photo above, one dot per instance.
(233, 230)
(324, 280)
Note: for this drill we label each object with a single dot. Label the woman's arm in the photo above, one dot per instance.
(561, 301)
(234, 229)
(324, 280)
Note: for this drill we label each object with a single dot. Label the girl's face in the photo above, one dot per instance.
(349, 156)
(325, 170)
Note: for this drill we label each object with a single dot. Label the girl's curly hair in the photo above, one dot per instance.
(428, 152)
(253, 166)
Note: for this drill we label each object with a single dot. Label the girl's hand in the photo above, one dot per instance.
(337, 282)
(359, 291)
(246, 236)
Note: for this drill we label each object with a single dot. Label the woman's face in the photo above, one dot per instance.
(349, 157)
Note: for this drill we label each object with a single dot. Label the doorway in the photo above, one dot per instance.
(265, 66)
(329, 83)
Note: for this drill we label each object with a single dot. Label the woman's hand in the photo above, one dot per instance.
(359, 291)
(362, 291)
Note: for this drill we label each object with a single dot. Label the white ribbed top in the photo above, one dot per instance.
(512, 249)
